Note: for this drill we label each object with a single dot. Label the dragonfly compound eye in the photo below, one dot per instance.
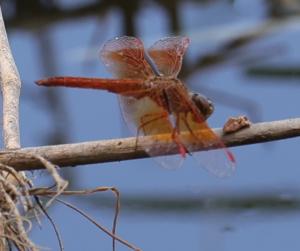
(204, 105)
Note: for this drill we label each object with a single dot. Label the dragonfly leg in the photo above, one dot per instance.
(189, 128)
(181, 147)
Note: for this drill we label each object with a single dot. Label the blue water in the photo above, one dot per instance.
(94, 115)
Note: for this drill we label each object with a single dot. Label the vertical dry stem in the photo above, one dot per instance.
(10, 87)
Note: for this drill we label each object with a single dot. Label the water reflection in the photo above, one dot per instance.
(225, 64)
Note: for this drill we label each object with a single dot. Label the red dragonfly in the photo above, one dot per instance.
(155, 102)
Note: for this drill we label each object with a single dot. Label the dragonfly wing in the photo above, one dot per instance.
(220, 161)
(167, 54)
(125, 58)
(144, 117)
(216, 162)
(194, 131)
(144, 113)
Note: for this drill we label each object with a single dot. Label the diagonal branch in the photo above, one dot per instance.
(125, 149)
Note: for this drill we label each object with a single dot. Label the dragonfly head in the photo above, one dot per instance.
(204, 105)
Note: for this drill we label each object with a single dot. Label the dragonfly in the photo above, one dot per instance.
(154, 101)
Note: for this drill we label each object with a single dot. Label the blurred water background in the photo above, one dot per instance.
(244, 55)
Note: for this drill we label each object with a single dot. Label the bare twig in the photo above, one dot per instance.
(125, 149)
(55, 228)
(99, 226)
(45, 191)
(10, 86)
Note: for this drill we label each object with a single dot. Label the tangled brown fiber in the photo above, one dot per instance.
(20, 203)
(17, 205)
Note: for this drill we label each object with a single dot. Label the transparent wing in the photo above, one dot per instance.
(194, 132)
(219, 162)
(144, 117)
(167, 54)
(124, 57)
